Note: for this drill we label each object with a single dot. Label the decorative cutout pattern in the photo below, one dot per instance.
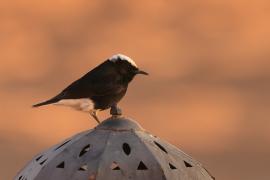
(161, 147)
(61, 165)
(42, 162)
(22, 178)
(115, 166)
(62, 145)
(126, 148)
(142, 166)
(39, 157)
(187, 164)
(84, 150)
(172, 166)
(83, 168)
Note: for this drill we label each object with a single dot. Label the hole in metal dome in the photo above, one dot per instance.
(172, 166)
(187, 164)
(83, 168)
(142, 166)
(39, 157)
(42, 162)
(22, 178)
(84, 150)
(115, 166)
(62, 145)
(160, 147)
(61, 165)
(126, 148)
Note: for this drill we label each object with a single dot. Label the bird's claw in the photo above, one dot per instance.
(94, 115)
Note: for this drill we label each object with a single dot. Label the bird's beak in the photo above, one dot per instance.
(142, 72)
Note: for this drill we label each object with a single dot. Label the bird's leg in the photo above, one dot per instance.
(94, 115)
(115, 110)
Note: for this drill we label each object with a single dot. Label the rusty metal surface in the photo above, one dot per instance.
(116, 149)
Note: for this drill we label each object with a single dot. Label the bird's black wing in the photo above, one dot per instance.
(102, 80)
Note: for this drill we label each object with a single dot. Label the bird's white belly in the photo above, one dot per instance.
(83, 104)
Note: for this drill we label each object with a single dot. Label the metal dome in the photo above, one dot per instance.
(116, 149)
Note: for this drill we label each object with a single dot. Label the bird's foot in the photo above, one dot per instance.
(94, 115)
(115, 111)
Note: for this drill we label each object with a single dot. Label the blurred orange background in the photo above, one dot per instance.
(208, 92)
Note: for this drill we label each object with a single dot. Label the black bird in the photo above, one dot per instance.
(101, 88)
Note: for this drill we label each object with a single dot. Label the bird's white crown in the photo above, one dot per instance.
(122, 57)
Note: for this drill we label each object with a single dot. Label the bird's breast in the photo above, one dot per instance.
(105, 102)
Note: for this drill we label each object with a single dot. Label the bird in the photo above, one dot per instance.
(100, 89)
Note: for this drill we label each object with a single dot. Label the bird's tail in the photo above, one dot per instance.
(50, 101)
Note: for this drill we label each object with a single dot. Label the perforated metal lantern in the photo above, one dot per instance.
(116, 149)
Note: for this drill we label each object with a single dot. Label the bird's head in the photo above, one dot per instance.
(126, 66)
